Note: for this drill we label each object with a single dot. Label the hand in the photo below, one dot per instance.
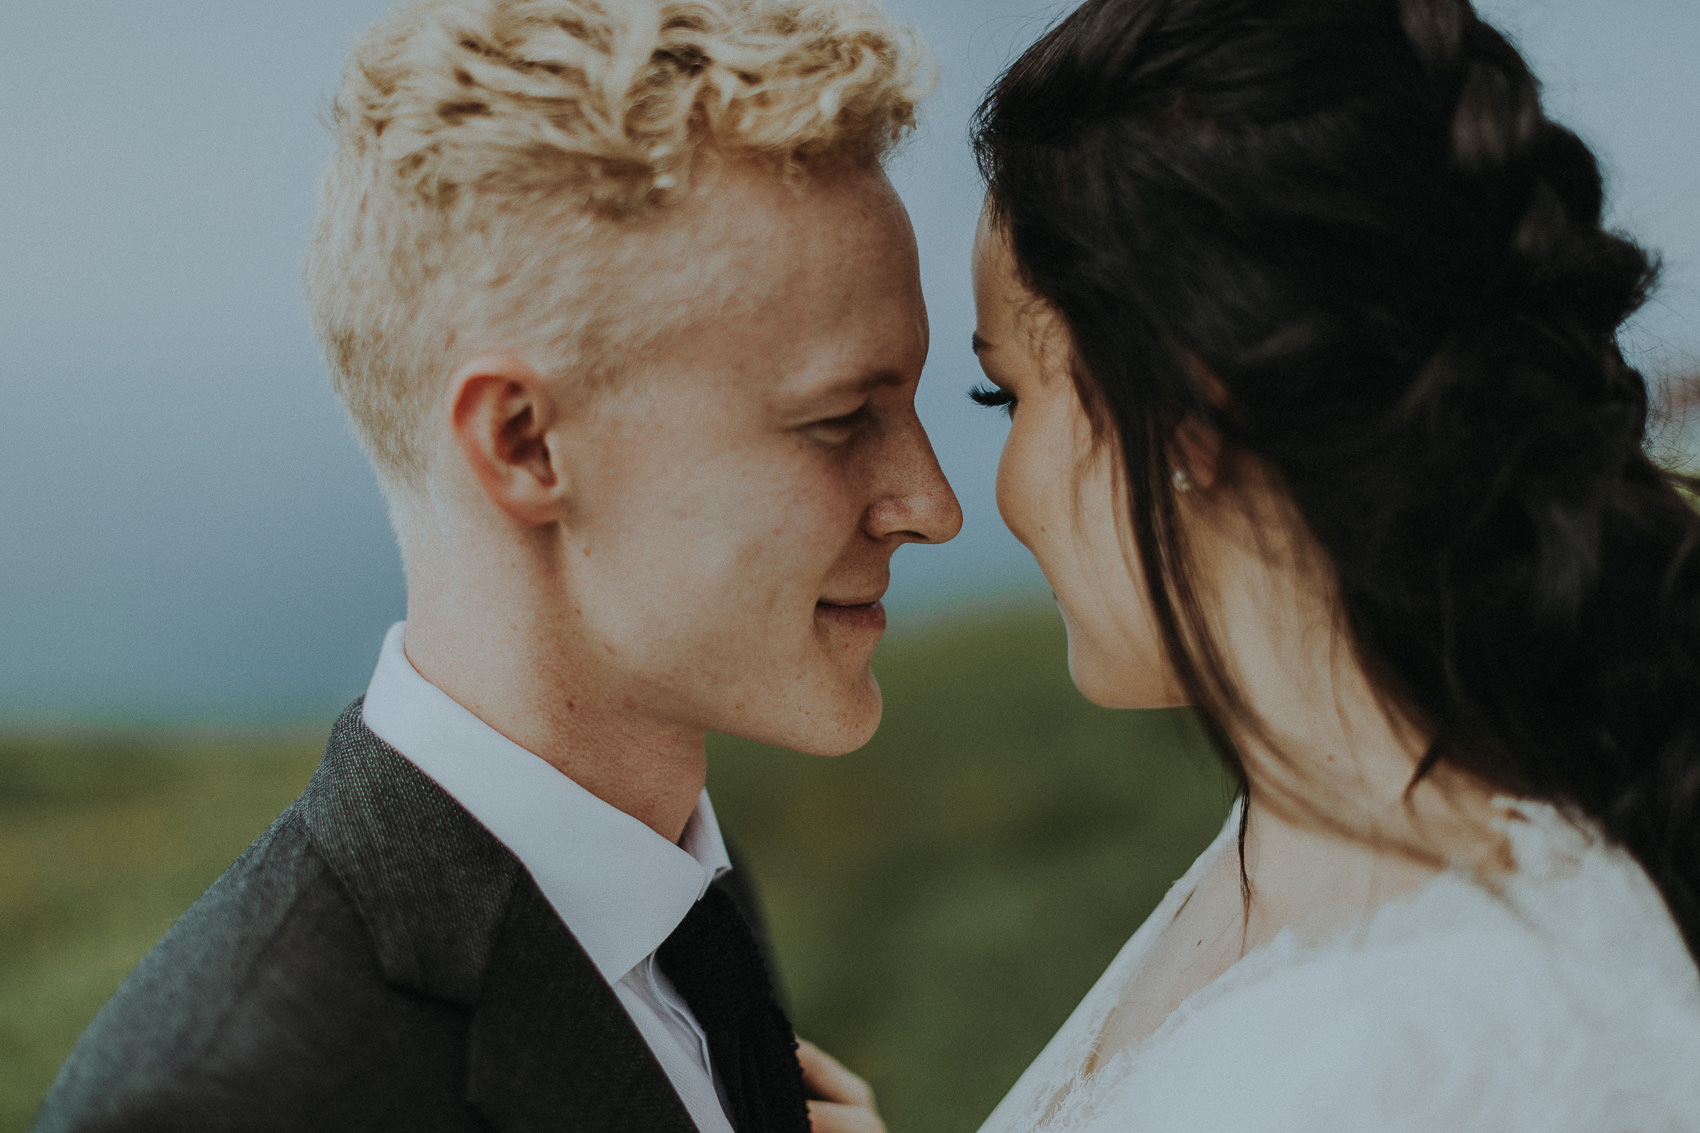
(843, 1102)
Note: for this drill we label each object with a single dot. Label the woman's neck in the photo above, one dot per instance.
(1335, 826)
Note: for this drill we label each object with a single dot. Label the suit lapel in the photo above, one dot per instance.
(430, 882)
(551, 1047)
(453, 914)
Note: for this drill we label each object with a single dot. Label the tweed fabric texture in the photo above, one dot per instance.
(375, 961)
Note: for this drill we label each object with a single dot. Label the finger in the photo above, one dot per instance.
(826, 1078)
(833, 1117)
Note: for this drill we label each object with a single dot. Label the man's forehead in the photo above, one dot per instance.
(741, 239)
(795, 293)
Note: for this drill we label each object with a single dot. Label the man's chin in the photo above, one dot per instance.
(835, 725)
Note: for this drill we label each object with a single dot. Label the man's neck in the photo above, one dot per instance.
(536, 695)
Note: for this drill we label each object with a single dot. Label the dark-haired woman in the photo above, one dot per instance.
(1307, 325)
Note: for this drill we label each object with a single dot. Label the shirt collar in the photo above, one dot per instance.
(619, 887)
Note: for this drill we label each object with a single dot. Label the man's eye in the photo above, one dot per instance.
(993, 397)
(840, 428)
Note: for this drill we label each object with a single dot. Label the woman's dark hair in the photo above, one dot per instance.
(1356, 216)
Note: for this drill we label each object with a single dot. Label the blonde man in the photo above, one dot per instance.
(628, 319)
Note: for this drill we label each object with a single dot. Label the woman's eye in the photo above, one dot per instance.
(993, 397)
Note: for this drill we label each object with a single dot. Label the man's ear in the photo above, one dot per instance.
(502, 411)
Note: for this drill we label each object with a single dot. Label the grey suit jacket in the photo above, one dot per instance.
(376, 960)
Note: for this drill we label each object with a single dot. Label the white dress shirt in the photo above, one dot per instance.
(618, 886)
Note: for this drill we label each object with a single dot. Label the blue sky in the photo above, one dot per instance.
(186, 529)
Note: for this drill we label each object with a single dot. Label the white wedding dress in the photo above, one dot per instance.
(1561, 1001)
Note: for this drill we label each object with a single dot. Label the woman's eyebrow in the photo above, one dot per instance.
(979, 345)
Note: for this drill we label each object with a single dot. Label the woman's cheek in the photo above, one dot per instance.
(1009, 483)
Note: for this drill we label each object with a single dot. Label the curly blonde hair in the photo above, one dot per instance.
(491, 153)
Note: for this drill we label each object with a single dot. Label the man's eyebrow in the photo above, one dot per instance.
(864, 383)
(856, 386)
(977, 344)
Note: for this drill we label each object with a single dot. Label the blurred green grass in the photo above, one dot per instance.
(939, 900)
(105, 838)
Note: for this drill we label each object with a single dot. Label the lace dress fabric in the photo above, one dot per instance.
(1562, 1000)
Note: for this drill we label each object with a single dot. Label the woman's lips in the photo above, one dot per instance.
(853, 615)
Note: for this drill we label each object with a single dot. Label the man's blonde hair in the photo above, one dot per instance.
(489, 153)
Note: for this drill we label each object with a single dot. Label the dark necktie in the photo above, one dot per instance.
(714, 963)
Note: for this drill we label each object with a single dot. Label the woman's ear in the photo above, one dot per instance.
(1197, 445)
(502, 412)
(1197, 453)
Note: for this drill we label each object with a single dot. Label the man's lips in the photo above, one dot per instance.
(869, 600)
(864, 613)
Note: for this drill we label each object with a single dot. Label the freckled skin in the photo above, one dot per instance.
(718, 512)
(698, 543)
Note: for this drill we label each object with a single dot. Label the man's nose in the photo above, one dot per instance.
(919, 505)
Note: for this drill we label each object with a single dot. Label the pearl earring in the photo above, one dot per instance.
(1183, 482)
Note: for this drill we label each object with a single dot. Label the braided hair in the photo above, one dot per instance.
(1355, 215)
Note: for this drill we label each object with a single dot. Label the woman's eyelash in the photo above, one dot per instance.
(993, 397)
